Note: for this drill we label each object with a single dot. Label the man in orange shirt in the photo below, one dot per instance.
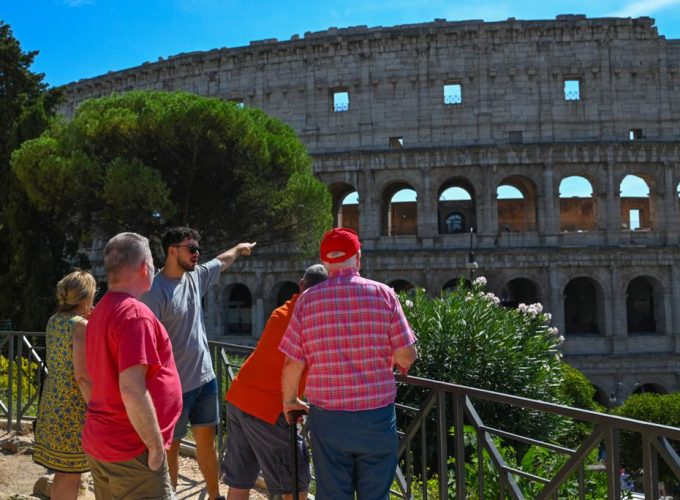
(258, 436)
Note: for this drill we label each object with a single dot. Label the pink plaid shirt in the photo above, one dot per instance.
(346, 330)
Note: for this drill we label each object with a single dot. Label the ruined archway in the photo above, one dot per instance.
(282, 292)
(519, 291)
(237, 309)
(650, 388)
(401, 285)
(399, 210)
(454, 283)
(644, 306)
(345, 205)
(456, 207)
(517, 205)
(583, 307)
(578, 208)
(636, 206)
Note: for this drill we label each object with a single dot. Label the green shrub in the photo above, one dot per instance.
(655, 408)
(466, 337)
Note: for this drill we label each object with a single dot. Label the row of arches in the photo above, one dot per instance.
(583, 303)
(517, 202)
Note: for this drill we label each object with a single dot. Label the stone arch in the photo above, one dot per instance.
(283, 291)
(583, 307)
(399, 217)
(458, 214)
(452, 284)
(345, 205)
(517, 214)
(601, 397)
(635, 191)
(519, 291)
(645, 312)
(578, 205)
(401, 285)
(237, 303)
(650, 387)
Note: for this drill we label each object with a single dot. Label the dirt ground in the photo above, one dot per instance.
(18, 474)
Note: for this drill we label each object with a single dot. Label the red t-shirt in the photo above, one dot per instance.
(256, 389)
(122, 332)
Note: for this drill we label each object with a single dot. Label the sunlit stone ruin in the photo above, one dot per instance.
(548, 149)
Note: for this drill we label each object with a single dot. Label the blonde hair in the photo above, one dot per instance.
(73, 288)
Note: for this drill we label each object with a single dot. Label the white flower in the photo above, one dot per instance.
(490, 296)
(538, 307)
(560, 339)
(553, 331)
(408, 304)
(480, 281)
(522, 308)
(547, 316)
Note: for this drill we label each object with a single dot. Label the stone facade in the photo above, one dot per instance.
(475, 106)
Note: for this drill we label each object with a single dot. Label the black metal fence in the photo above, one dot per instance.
(434, 454)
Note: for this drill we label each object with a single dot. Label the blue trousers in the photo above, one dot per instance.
(353, 452)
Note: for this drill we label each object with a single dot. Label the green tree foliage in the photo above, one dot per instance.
(31, 250)
(145, 160)
(656, 408)
(466, 337)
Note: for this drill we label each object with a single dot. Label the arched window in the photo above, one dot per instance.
(582, 307)
(519, 291)
(455, 283)
(578, 209)
(650, 388)
(238, 308)
(285, 291)
(517, 205)
(401, 285)
(455, 223)
(456, 207)
(640, 307)
(345, 205)
(400, 210)
(636, 211)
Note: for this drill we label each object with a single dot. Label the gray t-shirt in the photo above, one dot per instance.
(177, 304)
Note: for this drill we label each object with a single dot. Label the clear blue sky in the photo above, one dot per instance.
(85, 38)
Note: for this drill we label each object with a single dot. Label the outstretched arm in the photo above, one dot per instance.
(229, 257)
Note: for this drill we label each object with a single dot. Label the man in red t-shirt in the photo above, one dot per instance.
(136, 394)
(258, 437)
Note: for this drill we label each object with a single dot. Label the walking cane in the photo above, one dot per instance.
(294, 415)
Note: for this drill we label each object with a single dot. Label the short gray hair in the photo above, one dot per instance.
(314, 275)
(125, 250)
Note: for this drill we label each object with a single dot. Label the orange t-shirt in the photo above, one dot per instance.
(256, 389)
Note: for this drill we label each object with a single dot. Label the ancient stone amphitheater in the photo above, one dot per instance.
(551, 149)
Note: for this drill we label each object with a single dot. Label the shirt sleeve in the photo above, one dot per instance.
(137, 344)
(401, 334)
(153, 300)
(291, 343)
(207, 275)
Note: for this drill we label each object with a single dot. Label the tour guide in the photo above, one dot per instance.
(350, 332)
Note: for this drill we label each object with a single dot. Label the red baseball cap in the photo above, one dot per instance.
(339, 244)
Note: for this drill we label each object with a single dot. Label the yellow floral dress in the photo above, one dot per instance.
(61, 412)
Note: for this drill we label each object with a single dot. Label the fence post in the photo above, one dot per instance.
(10, 381)
(459, 417)
(441, 445)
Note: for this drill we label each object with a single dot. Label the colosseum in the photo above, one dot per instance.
(543, 155)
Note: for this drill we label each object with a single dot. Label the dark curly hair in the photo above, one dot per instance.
(176, 235)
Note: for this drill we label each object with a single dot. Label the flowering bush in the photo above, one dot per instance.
(466, 337)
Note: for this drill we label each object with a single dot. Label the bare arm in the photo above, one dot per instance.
(227, 258)
(141, 412)
(290, 380)
(404, 357)
(79, 363)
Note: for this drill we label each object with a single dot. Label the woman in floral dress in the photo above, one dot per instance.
(67, 389)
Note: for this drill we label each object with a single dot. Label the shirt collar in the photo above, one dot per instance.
(344, 273)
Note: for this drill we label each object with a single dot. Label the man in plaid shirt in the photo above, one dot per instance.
(350, 332)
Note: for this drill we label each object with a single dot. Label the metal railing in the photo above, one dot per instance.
(22, 372)
(446, 411)
(449, 409)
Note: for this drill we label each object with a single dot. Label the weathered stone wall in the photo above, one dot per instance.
(512, 124)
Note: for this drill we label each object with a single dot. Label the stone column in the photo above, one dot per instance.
(670, 207)
(619, 316)
(612, 209)
(556, 305)
(674, 326)
(427, 210)
(257, 315)
(550, 221)
(369, 209)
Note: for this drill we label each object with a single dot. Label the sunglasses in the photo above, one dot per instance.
(191, 248)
